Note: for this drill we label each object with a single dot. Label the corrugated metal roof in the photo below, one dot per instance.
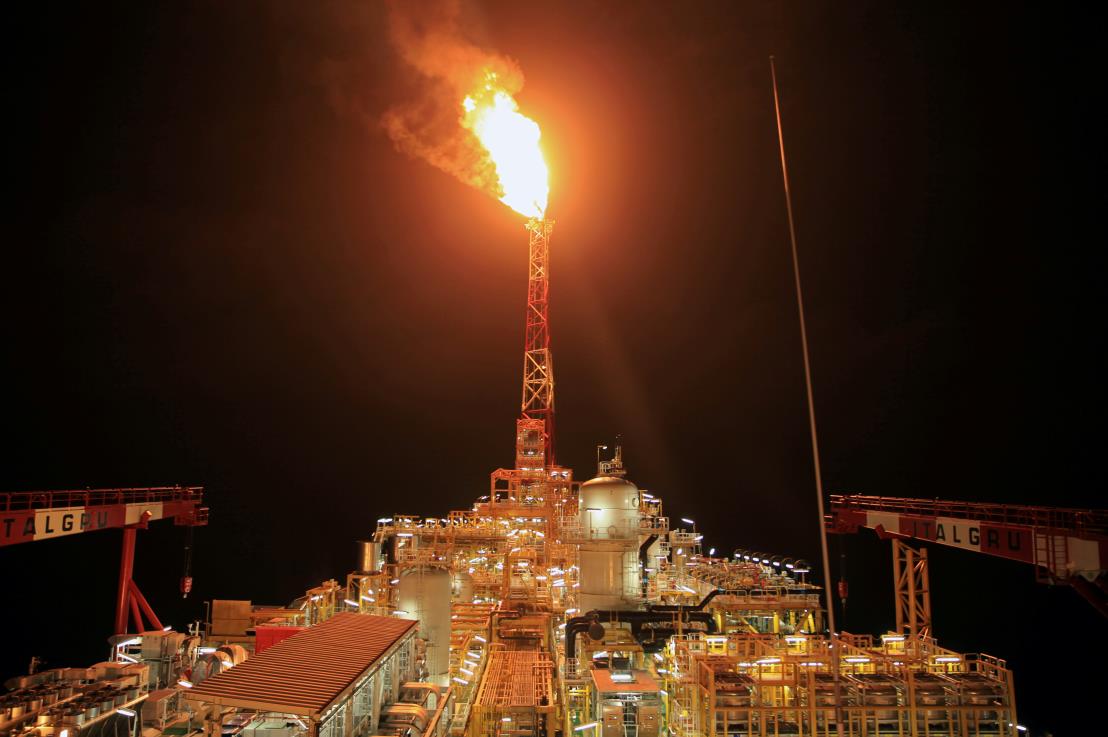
(307, 672)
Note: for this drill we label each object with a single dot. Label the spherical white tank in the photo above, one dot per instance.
(609, 508)
(424, 594)
(609, 516)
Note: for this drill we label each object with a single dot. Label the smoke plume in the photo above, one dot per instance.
(429, 38)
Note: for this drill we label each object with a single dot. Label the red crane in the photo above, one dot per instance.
(27, 516)
(1066, 546)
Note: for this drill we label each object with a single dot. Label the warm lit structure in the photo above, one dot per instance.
(30, 516)
(331, 680)
(1066, 546)
(550, 607)
(535, 428)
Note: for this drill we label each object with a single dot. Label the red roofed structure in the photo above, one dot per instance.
(334, 675)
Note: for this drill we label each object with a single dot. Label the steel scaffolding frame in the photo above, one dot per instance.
(537, 405)
(913, 589)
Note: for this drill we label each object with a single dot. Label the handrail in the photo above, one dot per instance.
(438, 725)
(13, 501)
(1090, 521)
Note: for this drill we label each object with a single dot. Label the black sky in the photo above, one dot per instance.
(221, 272)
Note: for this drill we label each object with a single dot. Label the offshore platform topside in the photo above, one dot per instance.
(548, 608)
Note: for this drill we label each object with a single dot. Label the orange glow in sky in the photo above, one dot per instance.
(512, 141)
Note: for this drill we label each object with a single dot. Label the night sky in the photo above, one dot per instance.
(222, 272)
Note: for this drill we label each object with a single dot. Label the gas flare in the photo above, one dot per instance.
(512, 142)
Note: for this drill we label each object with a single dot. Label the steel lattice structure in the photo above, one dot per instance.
(28, 516)
(1066, 546)
(537, 407)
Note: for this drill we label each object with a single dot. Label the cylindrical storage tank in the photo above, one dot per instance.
(463, 586)
(424, 594)
(679, 553)
(368, 558)
(601, 579)
(609, 558)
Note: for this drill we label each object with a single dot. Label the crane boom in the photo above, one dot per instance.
(1066, 546)
(26, 516)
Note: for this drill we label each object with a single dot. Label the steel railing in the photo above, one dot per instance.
(1091, 521)
(24, 500)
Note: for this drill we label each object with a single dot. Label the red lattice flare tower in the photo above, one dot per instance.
(535, 428)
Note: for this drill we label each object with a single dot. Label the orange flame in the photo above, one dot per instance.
(512, 142)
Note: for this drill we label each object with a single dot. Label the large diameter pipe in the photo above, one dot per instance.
(636, 619)
(683, 608)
